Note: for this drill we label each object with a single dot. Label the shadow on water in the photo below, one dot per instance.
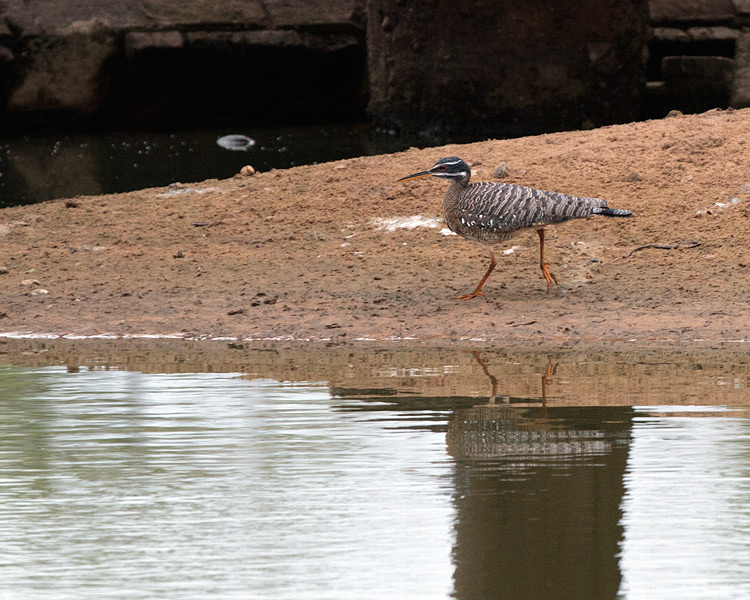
(401, 473)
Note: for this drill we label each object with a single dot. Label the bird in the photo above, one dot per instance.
(491, 213)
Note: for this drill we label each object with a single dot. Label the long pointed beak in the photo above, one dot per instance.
(415, 176)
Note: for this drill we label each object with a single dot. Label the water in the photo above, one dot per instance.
(44, 166)
(129, 484)
(687, 505)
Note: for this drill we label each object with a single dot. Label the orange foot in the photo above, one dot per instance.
(548, 276)
(470, 296)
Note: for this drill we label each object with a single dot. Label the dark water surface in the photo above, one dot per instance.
(465, 475)
(44, 166)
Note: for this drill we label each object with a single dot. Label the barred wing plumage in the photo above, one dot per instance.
(489, 212)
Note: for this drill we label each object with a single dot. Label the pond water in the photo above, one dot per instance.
(44, 166)
(129, 484)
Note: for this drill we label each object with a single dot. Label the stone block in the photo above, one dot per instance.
(139, 41)
(175, 14)
(137, 61)
(329, 13)
(46, 16)
(223, 39)
(714, 34)
(691, 11)
(670, 34)
(741, 83)
(505, 68)
(63, 74)
(710, 68)
(51, 17)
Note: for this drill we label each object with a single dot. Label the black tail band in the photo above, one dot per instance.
(615, 212)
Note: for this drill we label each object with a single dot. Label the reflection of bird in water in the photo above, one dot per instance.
(491, 213)
(522, 433)
(546, 378)
(478, 357)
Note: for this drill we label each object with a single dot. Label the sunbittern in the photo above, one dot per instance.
(490, 213)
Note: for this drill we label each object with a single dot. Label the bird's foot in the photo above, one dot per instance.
(548, 276)
(470, 296)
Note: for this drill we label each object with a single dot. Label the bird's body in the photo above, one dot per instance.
(491, 213)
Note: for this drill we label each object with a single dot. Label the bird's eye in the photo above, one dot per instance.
(443, 168)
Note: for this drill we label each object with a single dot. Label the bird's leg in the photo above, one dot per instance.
(478, 291)
(547, 380)
(478, 357)
(548, 276)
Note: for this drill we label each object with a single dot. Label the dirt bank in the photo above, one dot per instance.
(304, 253)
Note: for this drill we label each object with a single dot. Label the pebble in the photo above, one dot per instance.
(500, 171)
(247, 171)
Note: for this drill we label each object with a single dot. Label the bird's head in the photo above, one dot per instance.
(450, 167)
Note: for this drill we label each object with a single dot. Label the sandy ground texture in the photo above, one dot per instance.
(341, 251)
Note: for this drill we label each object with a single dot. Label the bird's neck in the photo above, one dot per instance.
(455, 190)
(451, 200)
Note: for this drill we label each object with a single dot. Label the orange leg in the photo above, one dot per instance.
(478, 291)
(547, 380)
(493, 379)
(548, 276)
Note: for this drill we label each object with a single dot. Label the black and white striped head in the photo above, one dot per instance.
(450, 167)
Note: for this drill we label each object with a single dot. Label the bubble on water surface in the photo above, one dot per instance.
(236, 142)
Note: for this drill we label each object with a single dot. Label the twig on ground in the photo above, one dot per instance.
(674, 246)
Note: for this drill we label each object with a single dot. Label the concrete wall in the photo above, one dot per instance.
(699, 55)
(170, 62)
(433, 64)
(505, 67)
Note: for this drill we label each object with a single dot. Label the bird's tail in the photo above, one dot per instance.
(613, 212)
